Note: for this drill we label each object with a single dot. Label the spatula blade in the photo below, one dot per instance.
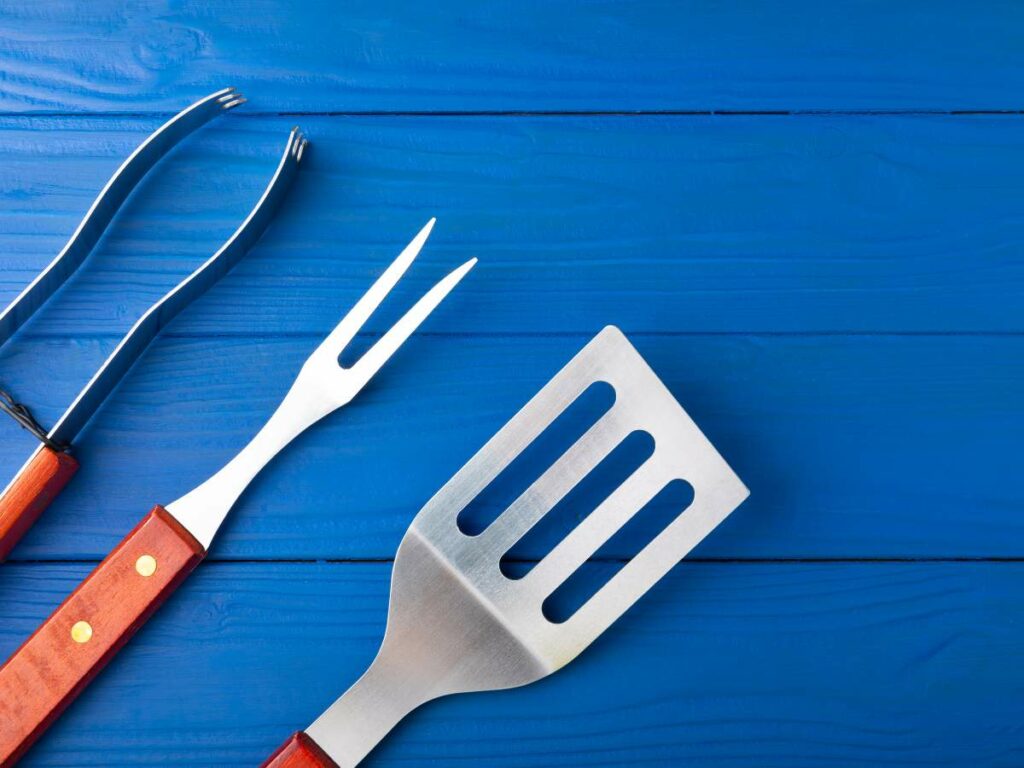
(642, 402)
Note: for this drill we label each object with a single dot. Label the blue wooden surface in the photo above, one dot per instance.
(780, 664)
(532, 55)
(835, 297)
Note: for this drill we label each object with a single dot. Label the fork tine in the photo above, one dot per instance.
(389, 343)
(347, 329)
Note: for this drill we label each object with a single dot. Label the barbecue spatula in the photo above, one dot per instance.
(457, 624)
(53, 666)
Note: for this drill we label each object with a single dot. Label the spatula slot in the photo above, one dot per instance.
(639, 531)
(623, 460)
(579, 416)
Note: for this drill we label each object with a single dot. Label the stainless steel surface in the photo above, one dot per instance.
(321, 387)
(457, 624)
(107, 203)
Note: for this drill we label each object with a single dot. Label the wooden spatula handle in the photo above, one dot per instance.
(299, 751)
(31, 492)
(89, 627)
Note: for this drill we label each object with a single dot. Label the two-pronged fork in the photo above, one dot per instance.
(91, 625)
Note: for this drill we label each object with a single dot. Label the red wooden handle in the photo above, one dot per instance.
(299, 751)
(89, 627)
(33, 489)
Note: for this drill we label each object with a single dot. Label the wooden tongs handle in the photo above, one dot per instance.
(31, 492)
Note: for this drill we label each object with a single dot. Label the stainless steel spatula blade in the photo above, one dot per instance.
(456, 623)
(642, 402)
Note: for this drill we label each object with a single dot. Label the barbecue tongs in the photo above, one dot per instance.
(51, 466)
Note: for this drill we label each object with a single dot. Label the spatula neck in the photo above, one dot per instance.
(366, 712)
(203, 509)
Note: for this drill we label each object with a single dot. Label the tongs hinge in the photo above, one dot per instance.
(21, 414)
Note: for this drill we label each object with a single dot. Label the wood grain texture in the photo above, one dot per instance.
(774, 665)
(35, 486)
(852, 446)
(531, 55)
(657, 223)
(299, 751)
(44, 675)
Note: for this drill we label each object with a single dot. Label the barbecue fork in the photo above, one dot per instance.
(457, 624)
(91, 625)
(51, 466)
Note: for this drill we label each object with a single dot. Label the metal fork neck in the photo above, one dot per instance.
(203, 509)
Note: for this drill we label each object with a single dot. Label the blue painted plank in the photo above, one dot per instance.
(660, 224)
(767, 665)
(531, 55)
(852, 446)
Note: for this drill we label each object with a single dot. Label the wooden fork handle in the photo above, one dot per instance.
(38, 484)
(56, 663)
(299, 751)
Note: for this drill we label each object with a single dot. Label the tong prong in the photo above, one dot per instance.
(230, 98)
(107, 203)
(167, 308)
(301, 149)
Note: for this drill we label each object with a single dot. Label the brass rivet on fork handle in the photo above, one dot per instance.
(145, 566)
(81, 632)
